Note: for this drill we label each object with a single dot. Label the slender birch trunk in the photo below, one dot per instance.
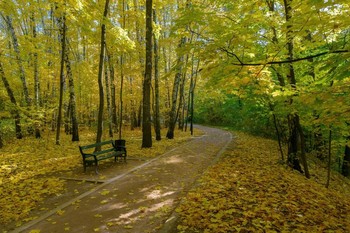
(114, 118)
(100, 74)
(173, 112)
(108, 98)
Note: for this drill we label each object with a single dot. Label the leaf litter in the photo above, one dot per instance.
(248, 190)
(29, 170)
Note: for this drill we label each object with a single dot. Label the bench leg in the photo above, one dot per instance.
(96, 167)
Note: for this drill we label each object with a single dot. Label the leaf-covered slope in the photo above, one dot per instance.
(249, 191)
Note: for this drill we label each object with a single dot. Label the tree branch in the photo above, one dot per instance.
(231, 54)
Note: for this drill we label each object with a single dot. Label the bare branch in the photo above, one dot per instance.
(240, 63)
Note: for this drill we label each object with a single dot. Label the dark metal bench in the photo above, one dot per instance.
(109, 149)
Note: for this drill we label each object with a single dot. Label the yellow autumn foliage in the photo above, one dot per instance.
(249, 191)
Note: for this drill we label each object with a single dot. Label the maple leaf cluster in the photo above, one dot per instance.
(249, 191)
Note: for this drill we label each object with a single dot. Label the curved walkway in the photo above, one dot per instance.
(141, 199)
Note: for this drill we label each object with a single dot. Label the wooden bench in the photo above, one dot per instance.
(109, 149)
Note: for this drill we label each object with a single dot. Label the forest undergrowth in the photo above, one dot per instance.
(29, 168)
(250, 191)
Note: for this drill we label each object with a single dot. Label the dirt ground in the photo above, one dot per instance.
(137, 196)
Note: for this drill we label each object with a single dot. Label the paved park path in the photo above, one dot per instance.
(142, 198)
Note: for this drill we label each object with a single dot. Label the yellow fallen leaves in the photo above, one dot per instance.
(104, 201)
(60, 212)
(248, 191)
(28, 168)
(35, 231)
(104, 192)
(18, 197)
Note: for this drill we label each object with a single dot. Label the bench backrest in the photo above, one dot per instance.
(119, 145)
(96, 145)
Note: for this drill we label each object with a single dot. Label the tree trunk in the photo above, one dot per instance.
(108, 98)
(192, 96)
(121, 95)
(15, 112)
(166, 65)
(329, 158)
(146, 108)
(156, 84)
(133, 103)
(67, 121)
(63, 30)
(113, 92)
(166, 70)
(189, 100)
(280, 78)
(139, 116)
(121, 77)
(295, 127)
(303, 147)
(36, 81)
(19, 60)
(177, 80)
(1, 142)
(72, 110)
(346, 161)
(100, 73)
(279, 138)
(182, 96)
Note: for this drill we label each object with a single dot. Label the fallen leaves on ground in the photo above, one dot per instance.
(249, 191)
(28, 167)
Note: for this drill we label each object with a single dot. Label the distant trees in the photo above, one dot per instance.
(60, 72)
